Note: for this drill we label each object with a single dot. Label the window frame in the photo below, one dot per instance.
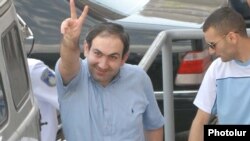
(11, 36)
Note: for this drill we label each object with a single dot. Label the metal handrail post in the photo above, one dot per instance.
(167, 69)
(163, 42)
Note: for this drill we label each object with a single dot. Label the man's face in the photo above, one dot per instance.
(105, 58)
(219, 45)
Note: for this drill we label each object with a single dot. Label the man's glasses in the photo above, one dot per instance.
(212, 45)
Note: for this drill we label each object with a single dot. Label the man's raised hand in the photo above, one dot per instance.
(71, 27)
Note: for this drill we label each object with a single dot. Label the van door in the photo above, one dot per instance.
(19, 114)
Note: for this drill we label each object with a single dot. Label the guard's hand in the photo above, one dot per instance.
(71, 27)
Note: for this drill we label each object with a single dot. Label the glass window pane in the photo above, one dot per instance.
(3, 105)
(14, 60)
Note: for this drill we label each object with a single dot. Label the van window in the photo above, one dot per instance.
(13, 57)
(3, 106)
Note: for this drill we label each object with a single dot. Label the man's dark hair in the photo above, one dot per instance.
(225, 20)
(108, 29)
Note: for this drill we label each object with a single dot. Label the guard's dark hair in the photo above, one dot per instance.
(108, 29)
(225, 20)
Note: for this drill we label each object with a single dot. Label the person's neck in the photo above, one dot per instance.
(244, 50)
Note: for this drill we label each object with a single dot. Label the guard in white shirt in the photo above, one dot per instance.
(45, 92)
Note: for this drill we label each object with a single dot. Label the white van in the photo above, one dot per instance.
(19, 115)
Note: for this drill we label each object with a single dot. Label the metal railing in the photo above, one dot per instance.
(163, 42)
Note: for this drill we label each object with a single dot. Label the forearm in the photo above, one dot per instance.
(196, 132)
(69, 63)
(154, 135)
(197, 128)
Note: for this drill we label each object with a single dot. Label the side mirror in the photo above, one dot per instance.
(26, 32)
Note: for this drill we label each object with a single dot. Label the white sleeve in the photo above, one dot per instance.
(207, 92)
(43, 82)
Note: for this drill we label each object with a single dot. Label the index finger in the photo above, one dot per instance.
(84, 14)
(73, 9)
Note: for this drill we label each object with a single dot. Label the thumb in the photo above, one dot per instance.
(64, 25)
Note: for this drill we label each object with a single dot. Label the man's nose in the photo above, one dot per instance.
(103, 64)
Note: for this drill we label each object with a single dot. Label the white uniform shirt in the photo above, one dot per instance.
(45, 92)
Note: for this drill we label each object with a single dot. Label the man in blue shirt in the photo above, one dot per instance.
(225, 91)
(101, 97)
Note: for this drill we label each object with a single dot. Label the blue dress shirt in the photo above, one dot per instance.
(121, 111)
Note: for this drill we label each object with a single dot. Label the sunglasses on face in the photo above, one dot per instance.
(212, 45)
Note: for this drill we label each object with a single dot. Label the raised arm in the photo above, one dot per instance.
(70, 52)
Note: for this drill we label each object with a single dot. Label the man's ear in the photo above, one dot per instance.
(125, 58)
(85, 49)
(232, 37)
